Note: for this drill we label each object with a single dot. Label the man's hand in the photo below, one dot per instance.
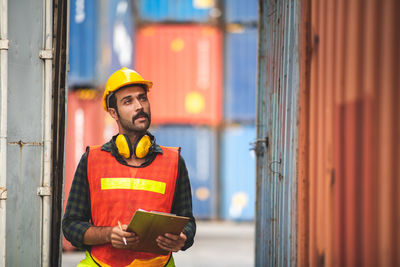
(117, 236)
(171, 242)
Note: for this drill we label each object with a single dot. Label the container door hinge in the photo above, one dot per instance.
(4, 44)
(46, 54)
(260, 146)
(3, 193)
(44, 191)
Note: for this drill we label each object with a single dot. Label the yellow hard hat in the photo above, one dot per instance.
(121, 78)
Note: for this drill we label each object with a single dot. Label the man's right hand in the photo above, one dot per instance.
(117, 236)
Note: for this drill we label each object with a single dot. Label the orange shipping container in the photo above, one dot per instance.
(185, 64)
(87, 124)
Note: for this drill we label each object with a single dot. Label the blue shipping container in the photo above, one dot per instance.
(121, 32)
(240, 11)
(82, 43)
(198, 145)
(238, 173)
(240, 74)
(175, 10)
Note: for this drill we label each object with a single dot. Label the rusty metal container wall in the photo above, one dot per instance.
(350, 134)
(185, 64)
(276, 146)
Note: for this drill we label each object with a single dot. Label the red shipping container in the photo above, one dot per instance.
(87, 124)
(185, 64)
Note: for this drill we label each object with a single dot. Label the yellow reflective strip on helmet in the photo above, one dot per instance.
(133, 184)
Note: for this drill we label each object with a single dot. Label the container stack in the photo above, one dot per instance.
(237, 160)
(179, 48)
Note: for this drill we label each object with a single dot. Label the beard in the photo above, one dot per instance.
(130, 126)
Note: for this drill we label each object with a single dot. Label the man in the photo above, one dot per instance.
(113, 181)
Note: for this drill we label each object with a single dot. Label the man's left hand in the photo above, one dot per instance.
(171, 242)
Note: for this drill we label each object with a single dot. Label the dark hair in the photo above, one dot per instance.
(112, 102)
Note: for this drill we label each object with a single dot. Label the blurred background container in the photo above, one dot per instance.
(87, 124)
(238, 173)
(118, 44)
(242, 12)
(176, 10)
(240, 73)
(83, 43)
(185, 64)
(199, 149)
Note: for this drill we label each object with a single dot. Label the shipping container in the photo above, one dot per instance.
(239, 11)
(240, 73)
(87, 125)
(238, 175)
(184, 63)
(276, 145)
(83, 43)
(117, 42)
(349, 209)
(176, 10)
(199, 148)
(32, 92)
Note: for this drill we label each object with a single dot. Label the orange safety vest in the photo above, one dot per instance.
(117, 191)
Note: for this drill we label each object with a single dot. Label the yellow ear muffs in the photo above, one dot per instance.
(142, 146)
(124, 146)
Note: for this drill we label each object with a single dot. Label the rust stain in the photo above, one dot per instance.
(21, 143)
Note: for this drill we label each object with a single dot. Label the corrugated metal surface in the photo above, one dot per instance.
(175, 10)
(24, 133)
(352, 138)
(199, 148)
(240, 73)
(276, 147)
(238, 173)
(82, 43)
(303, 229)
(184, 63)
(239, 11)
(87, 124)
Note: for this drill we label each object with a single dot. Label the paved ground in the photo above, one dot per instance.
(220, 244)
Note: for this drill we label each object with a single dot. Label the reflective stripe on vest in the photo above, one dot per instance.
(133, 184)
(117, 191)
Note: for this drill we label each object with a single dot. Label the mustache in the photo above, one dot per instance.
(141, 114)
